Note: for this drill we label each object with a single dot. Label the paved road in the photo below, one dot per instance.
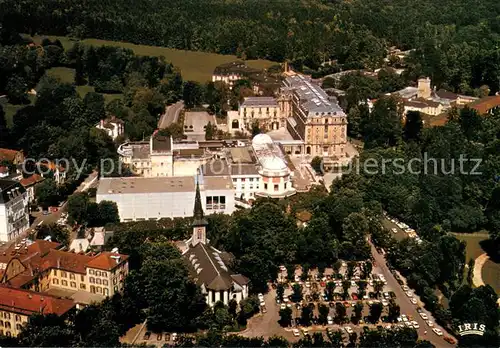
(171, 114)
(407, 307)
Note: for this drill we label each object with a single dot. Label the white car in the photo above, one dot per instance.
(413, 300)
(282, 268)
(408, 324)
(296, 332)
(394, 230)
(283, 306)
(409, 294)
(405, 287)
(348, 330)
(297, 278)
(262, 303)
(423, 315)
(174, 337)
(404, 317)
(437, 331)
(385, 303)
(430, 323)
(308, 284)
(353, 284)
(305, 332)
(329, 319)
(386, 295)
(415, 324)
(400, 319)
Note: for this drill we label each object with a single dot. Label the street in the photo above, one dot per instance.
(171, 114)
(407, 307)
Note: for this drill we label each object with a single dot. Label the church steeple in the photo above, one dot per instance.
(199, 222)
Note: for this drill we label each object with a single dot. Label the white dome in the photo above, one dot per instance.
(274, 164)
(261, 139)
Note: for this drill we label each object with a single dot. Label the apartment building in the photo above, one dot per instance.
(42, 267)
(14, 216)
(17, 305)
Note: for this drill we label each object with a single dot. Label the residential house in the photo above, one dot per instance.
(486, 105)
(29, 184)
(17, 305)
(113, 126)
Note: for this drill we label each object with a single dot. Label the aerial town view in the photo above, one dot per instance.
(293, 173)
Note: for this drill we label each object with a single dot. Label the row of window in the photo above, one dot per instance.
(98, 281)
(99, 290)
(8, 325)
(71, 276)
(65, 283)
(98, 273)
(244, 179)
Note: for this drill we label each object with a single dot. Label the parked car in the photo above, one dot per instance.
(405, 287)
(283, 306)
(394, 230)
(305, 332)
(349, 330)
(174, 337)
(430, 323)
(329, 319)
(261, 297)
(147, 335)
(413, 300)
(167, 337)
(296, 332)
(415, 324)
(409, 294)
(385, 303)
(159, 337)
(437, 331)
(423, 315)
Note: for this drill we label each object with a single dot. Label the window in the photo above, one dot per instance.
(63, 274)
(92, 280)
(92, 289)
(82, 286)
(265, 186)
(276, 188)
(7, 325)
(105, 282)
(91, 271)
(1, 323)
(106, 292)
(55, 281)
(82, 278)
(64, 283)
(242, 179)
(98, 281)
(55, 272)
(71, 276)
(98, 289)
(98, 273)
(73, 284)
(18, 318)
(8, 334)
(18, 327)
(104, 274)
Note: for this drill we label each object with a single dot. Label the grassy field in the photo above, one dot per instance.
(491, 270)
(196, 66)
(66, 75)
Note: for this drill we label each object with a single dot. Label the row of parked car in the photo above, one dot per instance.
(407, 229)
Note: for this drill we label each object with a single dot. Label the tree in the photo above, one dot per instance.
(317, 164)
(192, 94)
(4, 130)
(378, 286)
(306, 316)
(46, 193)
(340, 313)
(383, 126)
(280, 291)
(366, 269)
(46, 331)
(77, 207)
(324, 311)
(108, 212)
(394, 311)
(297, 295)
(285, 317)
(255, 129)
(351, 266)
(413, 126)
(375, 312)
(361, 288)
(346, 284)
(210, 131)
(335, 338)
(358, 312)
(56, 232)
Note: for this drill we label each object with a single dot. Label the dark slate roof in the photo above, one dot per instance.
(10, 189)
(444, 94)
(207, 267)
(162, 143)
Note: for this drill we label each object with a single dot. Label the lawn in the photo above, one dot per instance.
(66, 75)
(491, 270)
(196, 66)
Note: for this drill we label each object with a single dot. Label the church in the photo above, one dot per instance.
(208, 266)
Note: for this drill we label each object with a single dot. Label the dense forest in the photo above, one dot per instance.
(456, 42)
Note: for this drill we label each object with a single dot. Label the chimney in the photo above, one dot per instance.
(58, 262)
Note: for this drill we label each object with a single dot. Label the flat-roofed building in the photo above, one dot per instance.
(165, 197)
(16, 306)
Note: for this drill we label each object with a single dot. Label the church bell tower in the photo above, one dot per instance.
(199, 222)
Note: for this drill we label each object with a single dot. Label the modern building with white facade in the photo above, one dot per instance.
(113, 126)
(257, 170)
(209, 266)
(165, 197)
(14, 216)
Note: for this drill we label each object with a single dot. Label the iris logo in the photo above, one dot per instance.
(471, 329)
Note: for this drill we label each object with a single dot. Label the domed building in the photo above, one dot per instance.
(275, 175)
